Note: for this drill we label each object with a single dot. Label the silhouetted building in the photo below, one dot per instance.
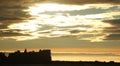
(43, 56)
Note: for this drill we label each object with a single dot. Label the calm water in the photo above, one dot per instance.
(86, 57)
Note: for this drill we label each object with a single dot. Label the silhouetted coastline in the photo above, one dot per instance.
(43, 57)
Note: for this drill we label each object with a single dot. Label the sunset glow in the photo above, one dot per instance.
(39, 8)
(66, 26)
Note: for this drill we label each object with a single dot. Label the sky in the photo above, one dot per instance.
(63, 25)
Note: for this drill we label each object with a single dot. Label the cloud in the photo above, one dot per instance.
(76, 12)
(81, 2)
(115, 28)
(10, 18)
(52, 8)
(114, 22)
(59, 26)
(19, 2)
(77, 31)
(112, 30)
(11, 11)
(3, 26)
(11, 33)
(16, 34)
(108, 33)
(5, 23)
(113, 37)
(36, 19)
(78, 2)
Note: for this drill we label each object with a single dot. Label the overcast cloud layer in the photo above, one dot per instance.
(89, 20)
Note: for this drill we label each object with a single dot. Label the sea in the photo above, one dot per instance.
(87, 56)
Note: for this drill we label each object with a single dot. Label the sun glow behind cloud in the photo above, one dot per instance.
(61, 25)
(28, 25)
(43, 25)
(39, 8)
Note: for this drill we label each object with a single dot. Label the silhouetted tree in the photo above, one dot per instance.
(25, 51)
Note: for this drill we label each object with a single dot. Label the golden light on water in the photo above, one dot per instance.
(80, 57)
(87, 54)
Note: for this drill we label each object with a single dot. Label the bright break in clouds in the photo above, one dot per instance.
(89, 20)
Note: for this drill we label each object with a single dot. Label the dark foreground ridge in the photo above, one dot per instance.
(43, 57)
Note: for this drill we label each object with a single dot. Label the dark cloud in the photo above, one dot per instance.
(11, 33)
(4, 7)
(74, 31)
(26, 2)
(77, 31)
(113, 37)
(114, 22)
(117, 16)
(15, 7)
(3, 26)
(12, 11)
(9, 18)
(114, 30)
(19, 2)
(81, 2)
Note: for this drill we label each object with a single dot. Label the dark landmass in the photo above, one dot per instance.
(43, 57)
